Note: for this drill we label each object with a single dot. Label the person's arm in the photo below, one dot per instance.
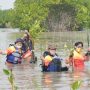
(44, 55)
(69, 60)
(30, 44)
(42, 58)
(3, 52)
(8, 51)
(86, 57)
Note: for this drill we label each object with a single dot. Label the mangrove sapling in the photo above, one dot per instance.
(76, 85)
(10, 78)
(70, 51)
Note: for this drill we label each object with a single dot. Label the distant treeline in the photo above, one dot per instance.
(47, 15)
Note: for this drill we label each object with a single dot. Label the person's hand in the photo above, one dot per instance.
(67, 61)
(42, 58)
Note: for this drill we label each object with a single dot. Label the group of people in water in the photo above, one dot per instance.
(22, 49)
(52, 62)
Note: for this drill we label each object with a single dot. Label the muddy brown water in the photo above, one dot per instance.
(30, 77)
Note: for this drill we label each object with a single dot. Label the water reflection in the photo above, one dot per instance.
(55, 81)
(30, 77)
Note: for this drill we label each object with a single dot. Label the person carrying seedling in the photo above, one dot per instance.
(28, 48)
(77, 57)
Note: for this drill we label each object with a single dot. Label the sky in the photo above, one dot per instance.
(6, 4)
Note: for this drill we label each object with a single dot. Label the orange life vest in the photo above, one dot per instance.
(10, 50)
(78, 60)
(47, 60)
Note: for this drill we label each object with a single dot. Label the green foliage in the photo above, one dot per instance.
(29, 15)
(40, 15)
(10, 78)
(36, 29)
(76, 85)
(7, 72)
(82, 11)
(5, 18)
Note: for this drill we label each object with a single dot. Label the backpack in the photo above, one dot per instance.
(55, 65)
(14, 57)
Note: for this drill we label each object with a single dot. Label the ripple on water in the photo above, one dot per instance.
(30, 77)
